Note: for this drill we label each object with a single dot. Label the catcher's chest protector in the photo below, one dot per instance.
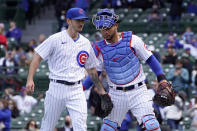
(121, 64)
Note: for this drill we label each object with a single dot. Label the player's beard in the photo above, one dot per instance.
(110, 37)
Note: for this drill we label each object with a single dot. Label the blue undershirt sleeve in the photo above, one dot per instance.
(154, 65)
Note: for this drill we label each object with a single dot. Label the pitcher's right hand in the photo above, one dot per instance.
(30, 86)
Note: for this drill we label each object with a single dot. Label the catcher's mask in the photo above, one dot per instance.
(105, 18)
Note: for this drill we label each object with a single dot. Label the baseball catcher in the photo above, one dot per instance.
(119, 54)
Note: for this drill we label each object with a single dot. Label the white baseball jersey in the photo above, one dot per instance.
(142, 53)
(24, 104)
(66, 57)
(67, 60)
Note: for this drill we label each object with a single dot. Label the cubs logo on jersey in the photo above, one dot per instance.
(82, 57)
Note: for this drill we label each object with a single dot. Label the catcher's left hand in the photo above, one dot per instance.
(165, 95)
(104, 106)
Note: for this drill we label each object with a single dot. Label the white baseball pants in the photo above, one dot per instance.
(58, 98)
(137, 100)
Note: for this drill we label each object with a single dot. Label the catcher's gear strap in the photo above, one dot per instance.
(109, 125)
(150, 123)
(154, 65)
(96, 49)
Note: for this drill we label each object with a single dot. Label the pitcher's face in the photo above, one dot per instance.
(77, 25)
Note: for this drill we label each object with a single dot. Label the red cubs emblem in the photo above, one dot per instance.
(80, 11)
(82, 57)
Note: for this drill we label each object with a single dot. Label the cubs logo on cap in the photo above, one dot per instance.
(82, 57)
(76, 13)
(80, 11)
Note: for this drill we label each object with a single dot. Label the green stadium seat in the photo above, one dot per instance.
(18, 124)
(6, 25)
(187, 122)
(2, 51)
(2, 12)
(96, 4)
(167, 66)
(97, 120)
(168, 5)
(148, 11)
(142, 35)
(133, 16)
(89, 28)
(135, 11)
(122, 16)
(163, 10)
(20, 17)
(2, 1)
(127, 21)
(93, 12)
(188, 17)
(12, 43)
(152, 37)
(11, 12)
(23, 74)
(121, 11)
(92, 126)
(38, 123)
(180, 52)
(158, 44)
(164, 16)
(142, 18)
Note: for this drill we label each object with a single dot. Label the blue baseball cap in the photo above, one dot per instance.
(76, 13)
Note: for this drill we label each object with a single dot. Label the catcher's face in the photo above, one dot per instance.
(109, 33)
(77, 25)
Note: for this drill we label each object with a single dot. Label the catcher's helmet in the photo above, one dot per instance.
(105, 18)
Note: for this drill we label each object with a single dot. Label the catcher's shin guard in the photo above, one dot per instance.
(109, 125)
(150, 123)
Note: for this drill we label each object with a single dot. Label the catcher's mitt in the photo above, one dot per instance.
(104, 106)
(165, 95)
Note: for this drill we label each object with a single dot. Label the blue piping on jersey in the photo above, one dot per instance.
(77, 38)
